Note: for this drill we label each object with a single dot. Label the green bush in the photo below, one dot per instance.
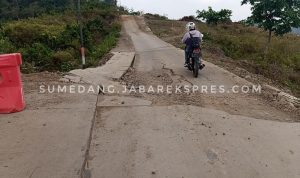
(156, 16)
(40, 56)
(64, 60)
(26, 32)
(6, 46)
(69, 37)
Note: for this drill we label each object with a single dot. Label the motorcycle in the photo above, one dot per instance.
(194, 62)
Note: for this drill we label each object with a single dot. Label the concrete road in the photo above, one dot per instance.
(49, 139)
(202, 135)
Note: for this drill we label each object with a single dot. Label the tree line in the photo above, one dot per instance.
(19, 9)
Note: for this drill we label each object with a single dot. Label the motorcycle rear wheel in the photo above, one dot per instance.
(196, 68)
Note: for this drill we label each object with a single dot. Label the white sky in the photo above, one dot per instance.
(176, 9)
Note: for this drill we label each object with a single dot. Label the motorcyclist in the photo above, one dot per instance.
(191, 28)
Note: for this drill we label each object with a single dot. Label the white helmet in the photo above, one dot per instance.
(191, 26)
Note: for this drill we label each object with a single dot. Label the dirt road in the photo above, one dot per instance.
(188, 135)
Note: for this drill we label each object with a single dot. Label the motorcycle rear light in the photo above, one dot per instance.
(197, 51)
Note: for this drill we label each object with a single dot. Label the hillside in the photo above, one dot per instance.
(50, 40)
(234, 44)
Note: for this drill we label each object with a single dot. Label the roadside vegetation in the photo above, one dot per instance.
(49, 38)
(245, 45)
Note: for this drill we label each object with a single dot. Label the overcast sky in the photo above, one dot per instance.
(178, 8)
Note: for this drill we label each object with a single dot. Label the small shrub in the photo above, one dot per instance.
(190, 18)
(69, 37)
(64, 61)
(28, 68)
(155, 17)
(40, 56)
(6, 46)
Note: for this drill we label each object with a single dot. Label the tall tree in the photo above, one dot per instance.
(215, 17)
(274, 16)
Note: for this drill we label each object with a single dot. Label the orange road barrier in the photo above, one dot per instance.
(11, 90)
